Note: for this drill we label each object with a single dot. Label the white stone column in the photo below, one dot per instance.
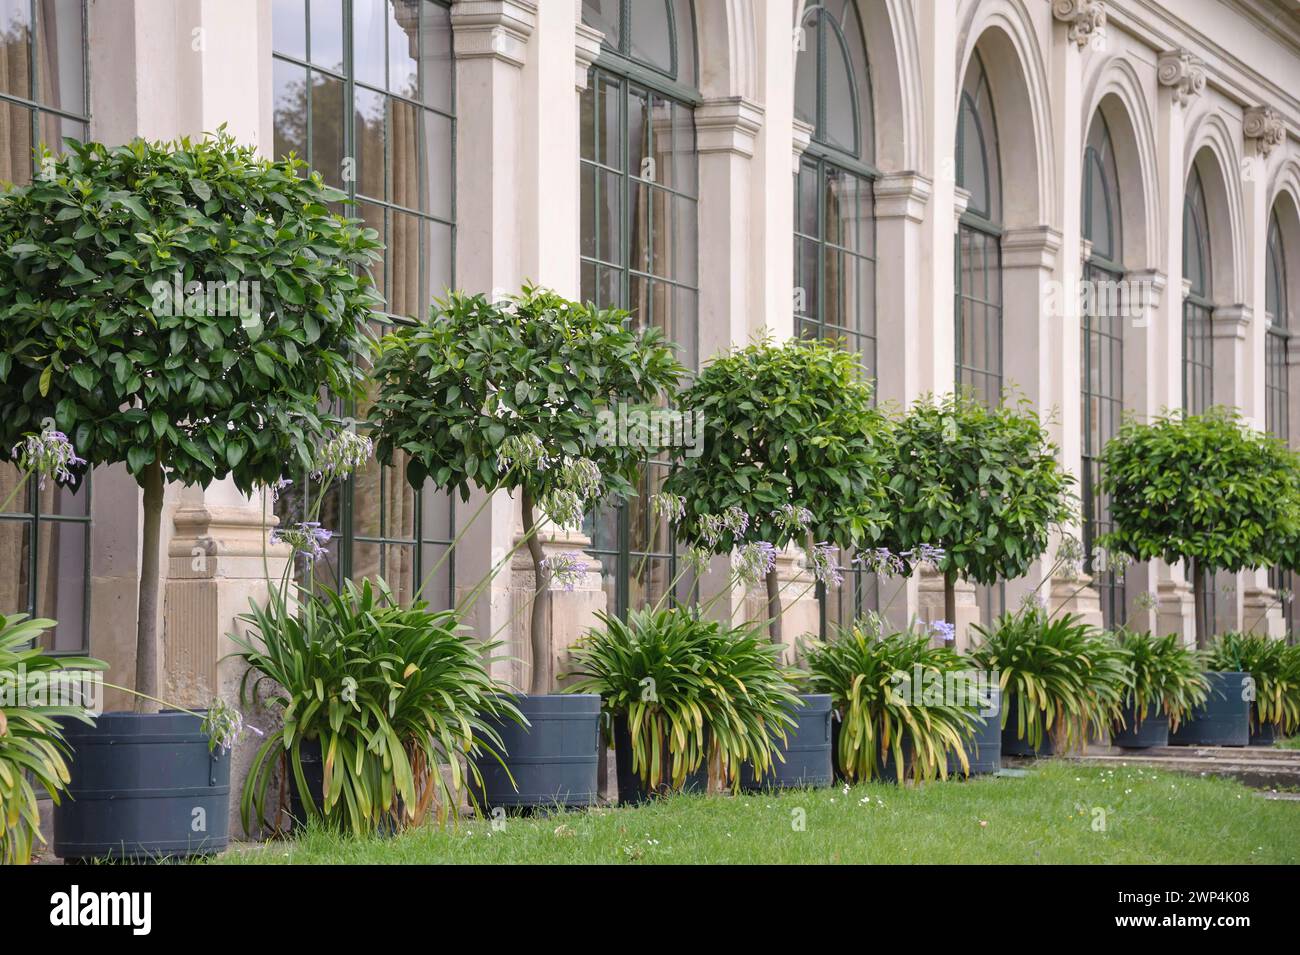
(1181, 80)
(901, 206)
(1143, 354)
(937, 43)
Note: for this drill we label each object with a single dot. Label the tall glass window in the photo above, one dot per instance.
(1277, 385)
(638, 169)
(834, 220)
(1102, 349)
(978, 267)
(979, 247)
(364, 94)
(45, 535)
(1198, 345)
(1198, 307)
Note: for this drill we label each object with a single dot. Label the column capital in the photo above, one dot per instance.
(1183, 73)
(728, 124)
(586, 48)
(1034, 247)
(960, 200)
(1086, 18)
(1231, 322)
(1154, 281)
(902, 195)
(1187, 289)
(1263, 126)
(1085, 251)
(800, 139)
(493, 29)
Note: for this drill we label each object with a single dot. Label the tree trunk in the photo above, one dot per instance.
(1198, 603)
(147, 649)
(950, 597)
(773, 606)
(540, 680)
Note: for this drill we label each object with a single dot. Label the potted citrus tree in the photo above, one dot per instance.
(508, 396)
(1217, 495)
(792, 453)
(180, 309)
(981, 483)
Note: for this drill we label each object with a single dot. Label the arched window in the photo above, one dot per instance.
(46, 530)
(364, 93)
(1277, 390)
(979, 254)
(1277, 320)
(1198, 346)
(1102, 350)
(834, 220)
(638, 237)
(978, 268)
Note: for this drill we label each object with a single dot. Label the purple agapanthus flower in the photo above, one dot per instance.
(824, 561)
(945, 630)
(567, 569)
(49, 455)
(925, 554)
(880, 560)
(308, 538)
(754, 561)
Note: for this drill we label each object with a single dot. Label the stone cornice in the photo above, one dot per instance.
(1035, 247)
(1231, 322)
(800, 139)
(587, 41)
(902, 195)
(493, 29)
(728, 125)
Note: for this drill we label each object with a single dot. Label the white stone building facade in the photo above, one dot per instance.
(932, 181)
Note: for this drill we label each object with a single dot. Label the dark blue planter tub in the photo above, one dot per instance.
(1152, 731)
(631, 790)
(1012, 742)
(1224, 718)
(1263, 734)
(144, 786)
(553, 759)
(807, 750)
(984, 750)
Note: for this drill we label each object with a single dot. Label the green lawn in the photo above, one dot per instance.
(1046, 816)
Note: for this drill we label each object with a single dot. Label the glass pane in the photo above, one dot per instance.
(438, 256)
(439, 171)
(684, 24)
(15, 47)
(604, 16)
(368, 119)
(327, 118)
(289, 28)
(15, 144)
(650, 34)
(60, 62)
(436, 66)
(290, 109)
(404, 264)
(369, 18)
(403, 153)
(841, 116)
(404, 47)
(15, 565)
(55, 129)
(327, 34)
(61, 582)
(807, 71)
